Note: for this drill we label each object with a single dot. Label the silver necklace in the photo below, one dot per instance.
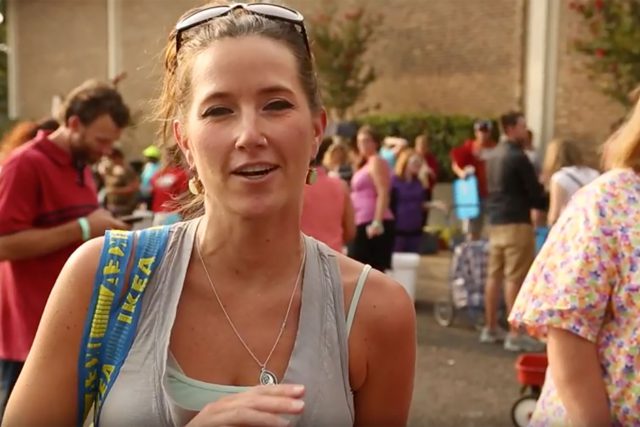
(266, 376)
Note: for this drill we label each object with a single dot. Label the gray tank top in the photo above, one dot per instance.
(319, 359)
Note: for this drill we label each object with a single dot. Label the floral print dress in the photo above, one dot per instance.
(586, 280)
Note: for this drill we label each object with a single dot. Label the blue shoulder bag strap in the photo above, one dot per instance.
(107, 285)
(104, 349)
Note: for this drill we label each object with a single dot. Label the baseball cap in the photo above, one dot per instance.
(483, 125)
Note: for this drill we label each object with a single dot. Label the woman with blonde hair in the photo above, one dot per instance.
(336, 161)
(565, 171)
(580, 295)
(422, 147)
(408, 200)
(244, 320)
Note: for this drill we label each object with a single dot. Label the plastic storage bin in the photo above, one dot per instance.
(405, 268)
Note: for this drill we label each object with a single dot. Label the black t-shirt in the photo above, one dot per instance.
(513, 186)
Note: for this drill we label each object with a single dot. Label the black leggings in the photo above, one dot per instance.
(376, 251)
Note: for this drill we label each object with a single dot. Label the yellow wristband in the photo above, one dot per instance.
(86, 229)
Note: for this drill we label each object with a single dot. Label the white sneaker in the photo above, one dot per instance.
(488, 336)
(519, 343)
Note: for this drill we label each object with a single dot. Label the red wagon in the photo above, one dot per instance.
(531, 369)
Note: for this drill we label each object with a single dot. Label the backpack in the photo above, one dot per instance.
(111, 320)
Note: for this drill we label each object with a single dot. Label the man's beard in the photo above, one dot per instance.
(81, 154)
(79, 160)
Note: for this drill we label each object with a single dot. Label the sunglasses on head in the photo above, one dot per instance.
(267, 10)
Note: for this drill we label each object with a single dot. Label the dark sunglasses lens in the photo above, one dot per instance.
(276, 11)
(201, 16)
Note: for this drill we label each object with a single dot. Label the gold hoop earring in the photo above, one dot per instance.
(195, 186)
(312, 176)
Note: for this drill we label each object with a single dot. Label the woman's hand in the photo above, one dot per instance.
(436, 204)
(263, 406)
(469, 170)
(375, 229)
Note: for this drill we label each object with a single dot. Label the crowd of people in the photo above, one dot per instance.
(262, 307)
(232, 270)
(388, 183)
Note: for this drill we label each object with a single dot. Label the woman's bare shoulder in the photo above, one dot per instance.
(72, 291)
(382, 299)
(80, 268)
(384, 329)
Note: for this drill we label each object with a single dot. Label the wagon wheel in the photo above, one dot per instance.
(522, 410)
(444, 312)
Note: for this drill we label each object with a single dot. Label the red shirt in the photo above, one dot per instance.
(167, 184)
(39, 188)
(464, 156)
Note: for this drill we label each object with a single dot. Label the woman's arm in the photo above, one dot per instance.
(46, 392)
(380, 175)
(382, 349)
(577, 374)
(557, 201)
(348, 217)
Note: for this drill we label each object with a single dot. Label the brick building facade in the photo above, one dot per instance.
(472, 57)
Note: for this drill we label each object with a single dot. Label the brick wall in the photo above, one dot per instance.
(445, 56)
(59, 44)
(442, 56)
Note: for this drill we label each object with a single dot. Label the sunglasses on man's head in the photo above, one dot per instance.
(267, 10)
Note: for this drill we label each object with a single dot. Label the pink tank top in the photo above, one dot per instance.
(364, 196)
(323, 209)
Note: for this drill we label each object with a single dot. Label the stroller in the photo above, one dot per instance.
(467, 277)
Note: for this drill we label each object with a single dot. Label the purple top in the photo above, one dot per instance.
(364, 196)
(408, 197)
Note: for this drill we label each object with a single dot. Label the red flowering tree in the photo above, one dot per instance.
(612, 44)
(340, 42)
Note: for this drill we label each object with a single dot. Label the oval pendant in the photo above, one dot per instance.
(267, 377)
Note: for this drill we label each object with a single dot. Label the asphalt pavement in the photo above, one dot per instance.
(459, 382)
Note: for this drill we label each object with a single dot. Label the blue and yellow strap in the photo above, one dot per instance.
(110, 328)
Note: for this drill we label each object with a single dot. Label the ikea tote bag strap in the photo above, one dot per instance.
(110, 328)
(107, 285)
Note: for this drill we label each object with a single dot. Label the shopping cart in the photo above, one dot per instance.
(467, 275)
(468, 271)
(531, 369)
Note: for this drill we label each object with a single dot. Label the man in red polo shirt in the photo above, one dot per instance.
(48, 207)
(469, 158)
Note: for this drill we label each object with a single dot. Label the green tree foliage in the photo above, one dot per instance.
(340, 42)
(611, 44)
